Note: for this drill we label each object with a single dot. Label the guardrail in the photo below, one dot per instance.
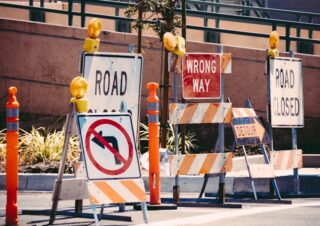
(214, 13)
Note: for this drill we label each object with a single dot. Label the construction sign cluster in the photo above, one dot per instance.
(104, 112)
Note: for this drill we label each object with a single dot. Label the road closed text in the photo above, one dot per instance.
(107, 84)
(285, 106)
(286, 92)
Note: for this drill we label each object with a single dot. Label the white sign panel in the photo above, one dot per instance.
(108, 146)
(113, 78)
(286, 93)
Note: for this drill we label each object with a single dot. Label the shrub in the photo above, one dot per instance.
(40, 145)
(2, 145)
(190, 140)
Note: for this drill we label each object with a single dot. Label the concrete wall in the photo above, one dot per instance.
(192, 35)
(42, 59)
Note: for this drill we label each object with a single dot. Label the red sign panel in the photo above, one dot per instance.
(201, 76)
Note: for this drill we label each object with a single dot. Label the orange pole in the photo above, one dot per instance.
(154, 154)
(12, 136)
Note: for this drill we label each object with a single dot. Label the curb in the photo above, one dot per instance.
(309, 184)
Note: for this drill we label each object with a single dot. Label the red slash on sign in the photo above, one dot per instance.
(125, 162)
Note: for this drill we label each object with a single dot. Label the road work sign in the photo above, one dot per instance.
(113, 78)
(108, 145)
(286, 95)
(201, 77)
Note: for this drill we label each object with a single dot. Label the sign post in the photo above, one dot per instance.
(295, 147)
(285, 95)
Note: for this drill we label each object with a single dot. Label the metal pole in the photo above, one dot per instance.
(184, 35)
(30, 11)
(165, 101)
(139, 27)
(183, 19)
(83, 12)
(268, 104)
(287, 37)
(221, 140)
(176, 138)
(70, 13)
(296, 180)
(176, 187)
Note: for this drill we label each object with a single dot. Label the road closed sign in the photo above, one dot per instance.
(286, 93)
(108, 146)
(113, 78)
(201, 77)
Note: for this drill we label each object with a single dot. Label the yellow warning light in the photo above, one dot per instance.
(175, 44)
(169, 41)
(94, 28)
(78, 89)
(181, 46)
(273, 43)
(92, 43)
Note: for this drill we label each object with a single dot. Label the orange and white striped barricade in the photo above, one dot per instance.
(197, 164)
(199, 113)
(286, 159)
(116, 191)
(111, 160)
(248, 130)
(200, 164)
(190, 113)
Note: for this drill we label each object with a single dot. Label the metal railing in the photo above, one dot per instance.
(212, 11)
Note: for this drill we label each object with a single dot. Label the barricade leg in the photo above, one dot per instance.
(57, 187)
(251, 180)
(204, 185)
(273, 180)
(95, 216)
(176, 190)
(144, 212)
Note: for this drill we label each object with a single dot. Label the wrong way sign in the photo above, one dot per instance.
(201, 76)
(113, 78)
(108, 146)
(286, 94)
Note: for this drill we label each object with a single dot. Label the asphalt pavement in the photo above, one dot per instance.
(303, 211)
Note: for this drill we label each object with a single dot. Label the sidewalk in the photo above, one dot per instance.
(236, 182)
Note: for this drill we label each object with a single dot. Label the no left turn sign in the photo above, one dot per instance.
(108, 146)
